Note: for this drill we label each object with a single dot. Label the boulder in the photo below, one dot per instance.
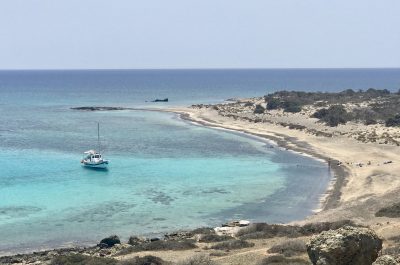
(385, 260)
(344, 246)
(109, 242)
(135, 241)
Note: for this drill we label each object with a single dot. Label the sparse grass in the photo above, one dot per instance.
(198, 260)
(316, 228)
(160, 245)
(203, 230)
(146, 260)
(392, 211)
(392, 251)
(396, 239)
(289, 248)
(281, 260)
(272, 259)
(214, 238)
(263, 230)
(233, 244)
(78, 259)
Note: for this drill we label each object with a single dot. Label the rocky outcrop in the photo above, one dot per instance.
(385, 260)
(109, 242)
(96, 108)
(344, 246)
(135, 241)
(160, 100)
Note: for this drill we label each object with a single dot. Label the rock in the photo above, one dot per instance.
(96, 108)
(240, 223)
(344, 246)
(135, 241)
(109, 242)
(259, 109)
(160, 100)
(385, 260)
(178, 235)
(104, 252)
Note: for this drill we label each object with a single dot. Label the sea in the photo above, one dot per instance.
(165, 174)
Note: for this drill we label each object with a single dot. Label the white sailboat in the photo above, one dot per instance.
(93, 158)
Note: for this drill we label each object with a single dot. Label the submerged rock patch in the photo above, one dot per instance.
(160, 197)
(19, 211)
(101, 211)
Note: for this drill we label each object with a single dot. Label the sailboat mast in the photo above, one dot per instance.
(98, 136)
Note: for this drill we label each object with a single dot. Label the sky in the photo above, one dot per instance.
(131, 34)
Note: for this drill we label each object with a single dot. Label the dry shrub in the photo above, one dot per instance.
(78, 259)
(198, 260)
(233, 244)
(146, 260)
(289, 248)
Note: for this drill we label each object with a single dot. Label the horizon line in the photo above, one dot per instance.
(180, 69)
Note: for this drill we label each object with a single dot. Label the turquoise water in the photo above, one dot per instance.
(165, 174)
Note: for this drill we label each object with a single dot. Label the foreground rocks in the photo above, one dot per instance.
(346, 245)
(385, 260)
(336, 243)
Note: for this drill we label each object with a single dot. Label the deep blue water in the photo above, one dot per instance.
(180, 86)
(165, 174)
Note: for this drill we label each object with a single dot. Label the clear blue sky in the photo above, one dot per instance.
(54, 34)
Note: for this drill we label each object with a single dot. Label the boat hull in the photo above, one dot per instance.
(101, 165)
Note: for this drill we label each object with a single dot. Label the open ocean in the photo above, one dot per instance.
(165, 174)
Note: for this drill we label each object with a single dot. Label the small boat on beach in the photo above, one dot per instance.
(94, 159)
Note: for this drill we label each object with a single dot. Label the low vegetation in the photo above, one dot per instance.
(160, 245)
(333, 116)
(233, 244)
(78, 259)
(214, 238)
(289, 248)
(198, 260)
(281, 260)
(288, 105)
(392, 211)
(369, 107)
(259, 109)
(393, 121)
(263, 230)
(146, 260)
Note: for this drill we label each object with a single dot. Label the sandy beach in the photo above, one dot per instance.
(365, 173)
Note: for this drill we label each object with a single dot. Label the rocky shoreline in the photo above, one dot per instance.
(237, 237)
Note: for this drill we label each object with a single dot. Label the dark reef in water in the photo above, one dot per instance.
(95, 108)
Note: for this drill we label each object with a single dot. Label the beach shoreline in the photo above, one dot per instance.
(329, 198)
(364, 173)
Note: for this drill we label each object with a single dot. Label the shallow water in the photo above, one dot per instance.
(165, 174)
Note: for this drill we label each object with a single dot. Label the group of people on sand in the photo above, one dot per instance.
(358, 164)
